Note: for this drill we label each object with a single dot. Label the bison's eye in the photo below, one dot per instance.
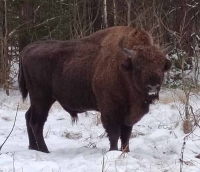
(136, 69)
(127, 64)
(131, 65)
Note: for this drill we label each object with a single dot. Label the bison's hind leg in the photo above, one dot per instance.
(41, 103)
(31, 137)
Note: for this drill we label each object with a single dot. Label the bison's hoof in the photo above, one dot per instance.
(198, 156)
(33, 147)
(45, 151)
(113, 149)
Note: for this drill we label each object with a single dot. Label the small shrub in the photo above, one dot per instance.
(72, 135)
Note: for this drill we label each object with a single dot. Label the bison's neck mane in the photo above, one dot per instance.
(137, 94)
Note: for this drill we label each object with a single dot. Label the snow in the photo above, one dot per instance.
(156, 144)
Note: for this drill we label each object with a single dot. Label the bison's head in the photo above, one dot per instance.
(145, 66)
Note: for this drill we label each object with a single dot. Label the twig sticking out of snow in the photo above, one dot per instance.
(11, 129)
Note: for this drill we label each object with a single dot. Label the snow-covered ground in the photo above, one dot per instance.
(157, 143)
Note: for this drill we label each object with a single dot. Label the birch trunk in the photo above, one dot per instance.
(105, 13)
(6, 66)
(129, 13)
(114, 12)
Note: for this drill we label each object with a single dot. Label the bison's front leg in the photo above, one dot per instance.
(113, 131)
(125, 136)
(111, 120)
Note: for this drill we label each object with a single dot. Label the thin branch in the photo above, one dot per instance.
(38, 25)
(17, 28)
(11, 129)
(46, 21)
(183, 148)
(195, 120)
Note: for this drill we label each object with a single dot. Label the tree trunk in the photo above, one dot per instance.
(114, 13)
(105, 16)
(129, 13)
(5, 58)
(27, 14)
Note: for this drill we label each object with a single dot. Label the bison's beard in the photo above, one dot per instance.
(150, 99)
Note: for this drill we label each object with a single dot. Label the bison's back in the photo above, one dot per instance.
(64, 69)
(110, 37)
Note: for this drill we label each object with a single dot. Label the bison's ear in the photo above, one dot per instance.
(168, 65)
(127, 64)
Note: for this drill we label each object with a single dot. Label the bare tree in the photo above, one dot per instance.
(105, 16)
(5, 64)
(114, 13)
(129, 12)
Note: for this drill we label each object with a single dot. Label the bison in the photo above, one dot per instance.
(117, 71)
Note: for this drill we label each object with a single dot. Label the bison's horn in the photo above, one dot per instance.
(170, 47)
(125, 51)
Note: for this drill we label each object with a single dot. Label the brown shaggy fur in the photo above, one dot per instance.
(92, 74)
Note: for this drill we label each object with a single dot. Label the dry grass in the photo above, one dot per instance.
(72, 135)
(136, 133)
(97, 118)
(172, 96)
(5, 118)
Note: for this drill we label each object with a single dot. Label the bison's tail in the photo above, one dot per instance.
(21, 81)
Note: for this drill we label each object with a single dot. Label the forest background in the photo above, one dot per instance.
(25, 21)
